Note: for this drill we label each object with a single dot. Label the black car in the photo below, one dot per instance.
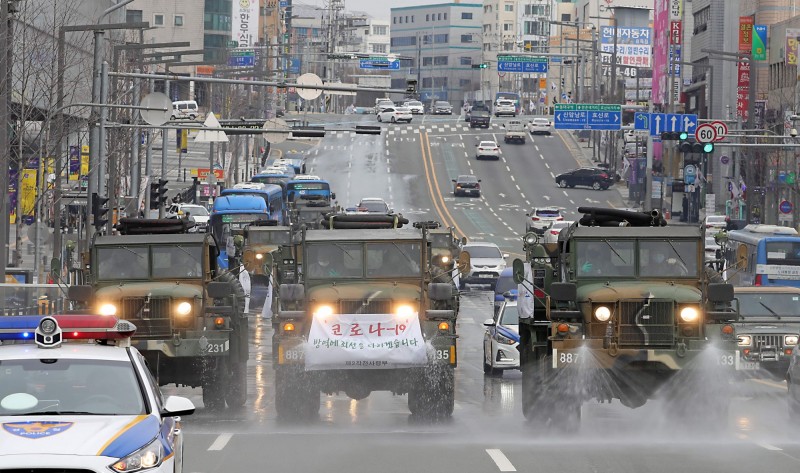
(441, 107)
(467, 184)
(596, 178)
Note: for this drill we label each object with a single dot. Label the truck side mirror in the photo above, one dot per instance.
(518, 271)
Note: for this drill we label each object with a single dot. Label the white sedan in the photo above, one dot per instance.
(488, 149)
(551, 234)
(395, 114)
(89, 405)
(539, 126)
(501, 339)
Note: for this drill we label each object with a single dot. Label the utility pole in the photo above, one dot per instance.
(5, 121)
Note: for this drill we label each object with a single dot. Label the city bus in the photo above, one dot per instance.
(230, 215)
(272, 194)
(762, 255)
(513, 96)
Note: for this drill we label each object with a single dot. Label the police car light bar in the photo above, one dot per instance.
(72, 326)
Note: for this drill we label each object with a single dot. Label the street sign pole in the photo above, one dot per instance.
(648, 185)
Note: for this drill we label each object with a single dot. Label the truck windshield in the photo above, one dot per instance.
(769, 304)
(668, 258)
(334, 260)
(179, 261)
(123, 262)
(276, 237)
(606, 258)
(393, 259)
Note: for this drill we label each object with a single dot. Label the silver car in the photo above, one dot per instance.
(486, 264)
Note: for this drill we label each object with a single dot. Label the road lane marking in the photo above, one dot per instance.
(573, 202)
(436, 195)
(769, 447)
(546, 165)
(512, 177)
(565, 193)
(612, 205)
(220, 442)
(502, 462)
(537, 147)
(552, 175)
(508, 169)
(521, 194)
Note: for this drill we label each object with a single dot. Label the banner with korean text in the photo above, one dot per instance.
(743, 74)
(244, 23)
(633, 46)
(792, 40)
(661, 20)
(759, 50)
(365, 341)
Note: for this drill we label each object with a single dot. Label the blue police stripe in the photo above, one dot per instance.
(136, 437)
(508, 333)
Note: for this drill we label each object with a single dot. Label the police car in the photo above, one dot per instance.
(501, 339)
(83, 406)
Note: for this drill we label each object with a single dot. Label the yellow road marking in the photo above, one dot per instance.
(430, 177)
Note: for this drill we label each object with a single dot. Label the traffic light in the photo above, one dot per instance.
(692, 146)
(162, 192)
(563, 82)
(153, 196)
(411, 86)
(674, 136)
(99, 211)
(480, 66)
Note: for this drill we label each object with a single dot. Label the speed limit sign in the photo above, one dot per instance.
(706, 133)
(722, 130)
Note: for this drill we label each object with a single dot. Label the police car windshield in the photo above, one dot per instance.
(509, 316)
(70, 386)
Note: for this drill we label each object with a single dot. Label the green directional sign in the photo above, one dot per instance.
(521, 59)
(233, 44)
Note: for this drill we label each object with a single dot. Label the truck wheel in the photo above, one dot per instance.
(237, 385)
(433, 398)
(213, 383)
(296, 398)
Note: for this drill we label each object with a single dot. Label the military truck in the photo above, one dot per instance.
(364, 316)
(191, 327)
(622, 308)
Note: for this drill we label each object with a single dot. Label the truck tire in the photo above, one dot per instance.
(213, 383)
(236, 395)
(234, 367)
(296, 397)
(433, 397)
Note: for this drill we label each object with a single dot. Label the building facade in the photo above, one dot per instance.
(373, 36)
(500, 34)
(443, 42)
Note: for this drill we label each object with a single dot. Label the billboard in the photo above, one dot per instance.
(244, 23)
(792, 40)
(759, 52)
(634, 45)
(743, 72)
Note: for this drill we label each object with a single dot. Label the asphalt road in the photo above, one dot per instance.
(411, 168)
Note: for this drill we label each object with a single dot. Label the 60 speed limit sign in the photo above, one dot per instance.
(706, 133)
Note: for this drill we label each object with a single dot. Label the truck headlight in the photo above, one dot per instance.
(689, 314)
(184, 308)
(602, 313)
(790, 340)
(745, 340)
(323, 310)
(108, 309)
(259, 256)
(149, 456)
(404, 310)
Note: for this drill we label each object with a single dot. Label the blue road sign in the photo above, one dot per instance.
(379, 64)
(661, 122)
(641, 121)
(587, 116)
(514, 66)
(785, 207)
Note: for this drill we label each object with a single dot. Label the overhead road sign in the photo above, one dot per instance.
(521, 64)
(587, 116)
(658, 123)
(379, 63)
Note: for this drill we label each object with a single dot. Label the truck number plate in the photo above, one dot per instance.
(218, 347)
(562, 359)
(293, 355)
(727, 359)
(749, 365)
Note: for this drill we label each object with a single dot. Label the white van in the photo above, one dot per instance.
(184, 109)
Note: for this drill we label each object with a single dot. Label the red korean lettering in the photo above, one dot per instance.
(378, 329)
(355, 331)
(336, 329)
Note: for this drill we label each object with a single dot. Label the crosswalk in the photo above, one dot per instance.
(431, 128)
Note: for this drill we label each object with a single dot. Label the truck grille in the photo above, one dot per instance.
(773, 341)
(359, 306)
(646, 324)
(152, 318)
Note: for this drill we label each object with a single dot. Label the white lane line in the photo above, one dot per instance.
(221, 441)
(571, 201)
(552, 175)
(521, 194)
(547, 165)
(518, 187)
(508, 169)
(541, 156)
(528, 202)
(537, 147)
(512, 177)
(503, 464)
(565, 193)
(769, 447)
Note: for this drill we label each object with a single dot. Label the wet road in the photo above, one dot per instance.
(411, 167)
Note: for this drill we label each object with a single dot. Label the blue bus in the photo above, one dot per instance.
(273, 176)
(513, 96)
(271, 193)
(230, 215)
(763, 255)
(309, 190)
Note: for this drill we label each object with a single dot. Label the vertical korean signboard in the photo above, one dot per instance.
(244, 29)
(792, 40)
(759, 51)
(743, 73)
(660, 49)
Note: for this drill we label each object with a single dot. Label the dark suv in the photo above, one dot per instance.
(596, 178)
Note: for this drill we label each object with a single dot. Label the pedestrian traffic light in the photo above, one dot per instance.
(162, 192)
(674, 135)
(99, 211)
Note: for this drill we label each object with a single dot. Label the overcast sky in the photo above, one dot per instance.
(376, 8)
